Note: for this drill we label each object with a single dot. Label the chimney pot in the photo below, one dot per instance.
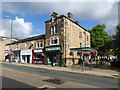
(70, 15)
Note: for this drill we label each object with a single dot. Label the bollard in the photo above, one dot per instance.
(83, 62)
(91, 63)
(73, 61)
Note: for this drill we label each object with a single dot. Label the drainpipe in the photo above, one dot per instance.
(65, 42)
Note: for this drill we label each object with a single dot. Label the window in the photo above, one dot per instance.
(80, 35)
(54, 18)
(55, 28)
(54, 40)
(87, 38)
(52, 30)
(17, 46)
(38, 56)
(41, 44)
(27, 44)
(80, 44)
(37, 44)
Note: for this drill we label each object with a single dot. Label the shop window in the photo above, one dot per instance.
(41, 44)
(80, 44)
(38, 56)
(80, 35)
(54, 40)
(26, 44)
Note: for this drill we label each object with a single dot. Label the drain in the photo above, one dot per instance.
(55, 81)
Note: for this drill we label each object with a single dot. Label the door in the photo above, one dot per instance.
(28, 58)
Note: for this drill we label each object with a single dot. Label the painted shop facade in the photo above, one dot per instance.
(53, 47)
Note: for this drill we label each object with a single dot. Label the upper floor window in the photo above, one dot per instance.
(16, 46)
(27, 44)
(54, 18)
(87, 38)
(37, 44)
(54, 40)
(55, 28)
(52, 30)
(41, 44)
(80, 44)
(80, 35)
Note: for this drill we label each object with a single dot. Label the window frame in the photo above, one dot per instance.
(40, 43)
(26, 44)
(52, 29)
(53, 38)
(87, 38)
(55, 29)
(80, 44)
(16, 46)
(80, 35)
(37, 44)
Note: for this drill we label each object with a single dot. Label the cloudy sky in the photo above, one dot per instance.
(29, 17)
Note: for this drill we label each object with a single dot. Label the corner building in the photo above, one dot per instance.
(62, 33)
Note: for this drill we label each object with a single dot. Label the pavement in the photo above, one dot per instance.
(79, 69)
(17, 79)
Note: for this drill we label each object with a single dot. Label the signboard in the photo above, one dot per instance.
(52, 48)
(38, 50)
(26, 52)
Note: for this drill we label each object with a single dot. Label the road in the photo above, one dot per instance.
(78, 79)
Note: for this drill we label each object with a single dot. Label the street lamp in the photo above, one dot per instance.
(11, 35)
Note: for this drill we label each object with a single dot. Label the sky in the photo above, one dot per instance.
(29, 17)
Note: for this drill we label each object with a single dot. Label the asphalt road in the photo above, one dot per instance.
(10, 83)
(97, 81)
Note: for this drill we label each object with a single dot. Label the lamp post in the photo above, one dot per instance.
(11, 35)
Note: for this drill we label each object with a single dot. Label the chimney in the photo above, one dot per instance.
(54, 14)
(70, 15)
(77, 22)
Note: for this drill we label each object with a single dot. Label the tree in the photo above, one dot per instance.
(116, 42)
(99, 38)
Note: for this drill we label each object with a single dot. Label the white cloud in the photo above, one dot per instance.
(103, 11)
(20, 28)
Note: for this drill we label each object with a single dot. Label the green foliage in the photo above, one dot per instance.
(116, 42)
(99, 38)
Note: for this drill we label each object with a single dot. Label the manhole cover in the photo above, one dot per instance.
(55, 81)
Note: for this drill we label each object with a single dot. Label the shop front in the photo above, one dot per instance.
(26, 56)
(53, 55)
(38, 57)
(16, 56)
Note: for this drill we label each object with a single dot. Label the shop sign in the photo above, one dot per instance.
(53, 48)
(38, 51)
(26, 52)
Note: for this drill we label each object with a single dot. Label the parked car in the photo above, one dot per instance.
(115, 63)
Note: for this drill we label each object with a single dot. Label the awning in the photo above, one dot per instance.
(9, 53)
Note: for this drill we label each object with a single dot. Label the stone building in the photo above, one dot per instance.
(29, 50)
(3, 49)
(62, 33)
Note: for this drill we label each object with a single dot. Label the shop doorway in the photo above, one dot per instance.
(54, 58)
(28, 58)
